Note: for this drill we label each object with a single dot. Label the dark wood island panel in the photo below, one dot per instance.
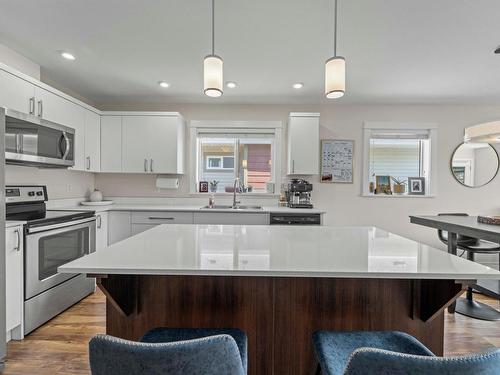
(279, 314)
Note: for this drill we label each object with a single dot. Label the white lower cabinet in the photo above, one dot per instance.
(118, 226)
(101, 234)
(124, 224)
(229, 218)
(142, 221)
(14, 282)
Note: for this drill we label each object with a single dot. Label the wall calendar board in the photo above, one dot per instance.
(337, 159)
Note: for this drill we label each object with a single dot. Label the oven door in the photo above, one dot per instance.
(48, 248)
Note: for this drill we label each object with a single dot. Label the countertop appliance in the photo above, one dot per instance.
(295, 219)
(31, 140)
(51, 239)
(299, 194)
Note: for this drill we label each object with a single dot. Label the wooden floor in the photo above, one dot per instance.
(60, 346)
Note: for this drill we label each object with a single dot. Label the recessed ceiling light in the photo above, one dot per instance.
(298, 85)
(68, 56)
(164, 84)
(231, 85)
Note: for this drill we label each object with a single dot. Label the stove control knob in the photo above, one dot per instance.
(39, 193)
(31, 193)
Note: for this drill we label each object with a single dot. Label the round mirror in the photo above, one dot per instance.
(474, 164)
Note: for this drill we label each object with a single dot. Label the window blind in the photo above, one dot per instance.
(396, 157)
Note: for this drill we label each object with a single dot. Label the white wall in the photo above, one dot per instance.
(19, 62)
(343, 203)
(61, 183)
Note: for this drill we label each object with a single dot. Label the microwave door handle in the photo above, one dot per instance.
(67, 144)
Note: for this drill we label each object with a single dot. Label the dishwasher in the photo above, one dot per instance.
(291, 218)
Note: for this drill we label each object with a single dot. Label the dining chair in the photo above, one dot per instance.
(467, 306)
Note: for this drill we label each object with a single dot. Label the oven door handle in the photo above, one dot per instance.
(59, 225)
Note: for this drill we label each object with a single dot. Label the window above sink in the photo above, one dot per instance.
(224, 151)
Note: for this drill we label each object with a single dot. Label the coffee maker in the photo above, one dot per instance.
(299, 194)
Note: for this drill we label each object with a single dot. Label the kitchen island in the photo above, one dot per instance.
(278, 284)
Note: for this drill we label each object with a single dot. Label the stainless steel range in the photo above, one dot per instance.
(51, 238)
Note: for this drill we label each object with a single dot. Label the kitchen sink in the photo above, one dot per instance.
(229, 207)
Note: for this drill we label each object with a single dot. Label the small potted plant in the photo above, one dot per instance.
(213, 186)
(399, 185)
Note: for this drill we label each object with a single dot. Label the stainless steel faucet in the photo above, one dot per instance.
(236, 182)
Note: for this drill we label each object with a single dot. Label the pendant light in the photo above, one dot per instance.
(488, 132)
(212, 67)
(335, 69)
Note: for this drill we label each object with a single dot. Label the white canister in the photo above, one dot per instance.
(96, 196)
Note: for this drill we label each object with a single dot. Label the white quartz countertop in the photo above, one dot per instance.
(186, 208)
(254, 250)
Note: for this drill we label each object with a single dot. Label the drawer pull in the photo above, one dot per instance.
(160, 218)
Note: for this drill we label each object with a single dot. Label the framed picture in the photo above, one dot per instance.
(203, 188)
(383, 185)
(416, 185)
(337, 156)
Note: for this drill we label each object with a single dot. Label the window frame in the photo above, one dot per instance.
(237, 127)
(428, 171)
(221, 159)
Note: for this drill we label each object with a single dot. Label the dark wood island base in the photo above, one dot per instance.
(279, 314)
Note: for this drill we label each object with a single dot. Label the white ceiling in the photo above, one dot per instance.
(397, 51)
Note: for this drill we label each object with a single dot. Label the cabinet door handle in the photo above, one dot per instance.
(18, 237)
(99, 221)
(151, 165)
(32, 105)
(88, 162)
(293, 166)
(145, 165)
(40, 108)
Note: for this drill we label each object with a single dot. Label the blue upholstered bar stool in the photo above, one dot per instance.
(374, 353)
(163, 335)
(214, 355)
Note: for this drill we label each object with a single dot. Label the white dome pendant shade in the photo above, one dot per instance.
(213, 76)
(335, 77)
(335, 69)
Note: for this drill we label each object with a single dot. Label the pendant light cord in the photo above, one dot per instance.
(335, 31)
(213, 27)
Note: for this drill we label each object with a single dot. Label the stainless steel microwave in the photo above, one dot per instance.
(31, 140)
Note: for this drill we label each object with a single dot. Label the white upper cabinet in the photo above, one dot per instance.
(303, 144)
(16, 93)
(135, 147)
(92, 141)
(111, 144)
(153, 144)
(38, 100)
(166, 140)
